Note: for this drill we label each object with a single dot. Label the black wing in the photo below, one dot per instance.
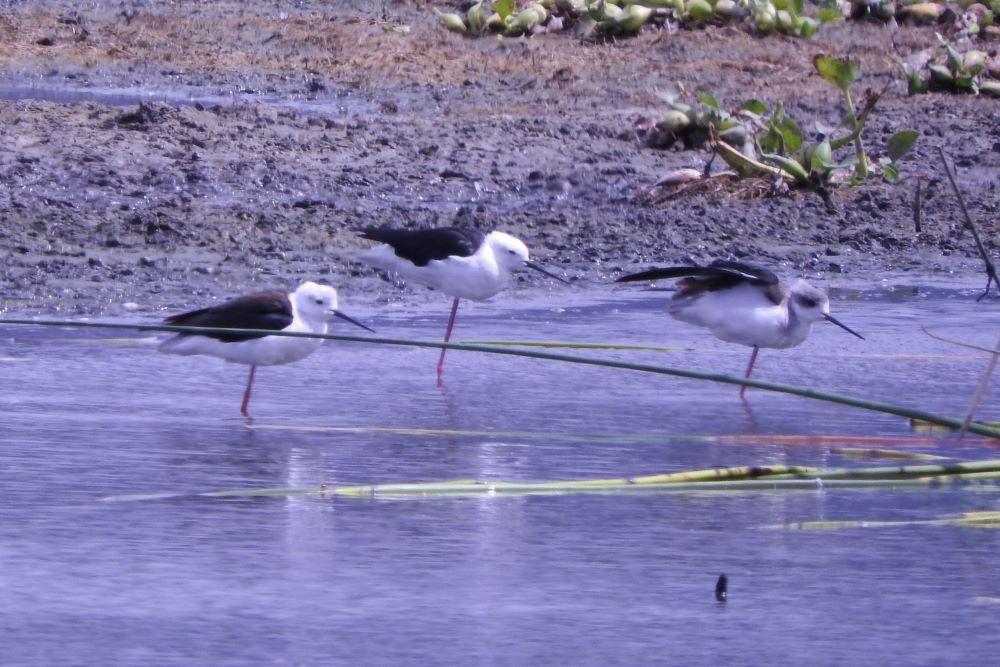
(720, 274)
(264, 310)
(422, 245)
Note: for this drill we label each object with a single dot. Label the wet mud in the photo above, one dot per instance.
(152, 154)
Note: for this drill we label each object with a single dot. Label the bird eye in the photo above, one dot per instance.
(808, 302)
(511, 252)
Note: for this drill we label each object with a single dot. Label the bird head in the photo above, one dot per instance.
(511, 253)
(811, 304)
(319, 302)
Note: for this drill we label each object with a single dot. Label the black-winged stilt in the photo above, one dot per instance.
(744, 303)
(307, 310)
(462, 263)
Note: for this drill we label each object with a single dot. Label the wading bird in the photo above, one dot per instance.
(745, 304)
(462, 263)
(305, 310)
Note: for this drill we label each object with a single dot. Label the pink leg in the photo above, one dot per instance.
(753, 358)
(246, 394)
(447, 336)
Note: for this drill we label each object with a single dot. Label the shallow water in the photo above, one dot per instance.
(576, 579)
(337, 103)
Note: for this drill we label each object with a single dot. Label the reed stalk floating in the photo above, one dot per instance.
(805, 392)
(984, 481)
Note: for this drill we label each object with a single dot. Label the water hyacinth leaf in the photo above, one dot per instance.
(699, 10)
(974, 62)
(941, 74)
(754, 106)
(820, 157)
(789, 166)
(633, 18)
(770, 141)
(827, 14)
(791, 134)
(708, 100)
(989, 88)
(901, 143)
(965, 82)
(955, 61)
(476, 17)
(452, 22)
(841, 72)
(806, 26)
(503, 7)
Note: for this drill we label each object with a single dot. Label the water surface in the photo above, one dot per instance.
(576, 579)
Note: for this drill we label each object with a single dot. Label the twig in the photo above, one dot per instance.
(918, 209)
(977, 397)
(991, 272)
(952, 341)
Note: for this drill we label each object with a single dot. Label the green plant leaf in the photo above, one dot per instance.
(915, 84)
(900, 143)
(789, 166)
(890, 172)
(806, 26)
(965, 82)
(708, 100)
(827, 14)
(754, 106)
(841, 72)
(791, 134)
(955, 60)
(770, 140)
(795, 6)
(820, 157)
(503, 7)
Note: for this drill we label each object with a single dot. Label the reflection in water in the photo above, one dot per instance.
(487, 580)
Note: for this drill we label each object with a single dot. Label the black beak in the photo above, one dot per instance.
(831, 318)
(353, 321)
(536, 267)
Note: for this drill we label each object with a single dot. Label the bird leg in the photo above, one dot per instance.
(246, 394)
(753, 358)
(447, 337)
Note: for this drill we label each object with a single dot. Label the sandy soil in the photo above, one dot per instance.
(313, 119)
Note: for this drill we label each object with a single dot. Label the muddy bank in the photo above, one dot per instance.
(271, 133)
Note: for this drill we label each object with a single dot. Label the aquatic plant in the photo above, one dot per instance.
(757, 140)
(964, 18)
(948, 70)
(767, 478)
(614, 18)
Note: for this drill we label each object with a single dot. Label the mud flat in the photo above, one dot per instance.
(151, 153)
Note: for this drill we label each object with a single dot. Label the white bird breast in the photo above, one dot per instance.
(267, 351)
(743, 315)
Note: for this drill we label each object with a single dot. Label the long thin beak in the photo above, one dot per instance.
(536, 267)
(353, 321)
(831, 318)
